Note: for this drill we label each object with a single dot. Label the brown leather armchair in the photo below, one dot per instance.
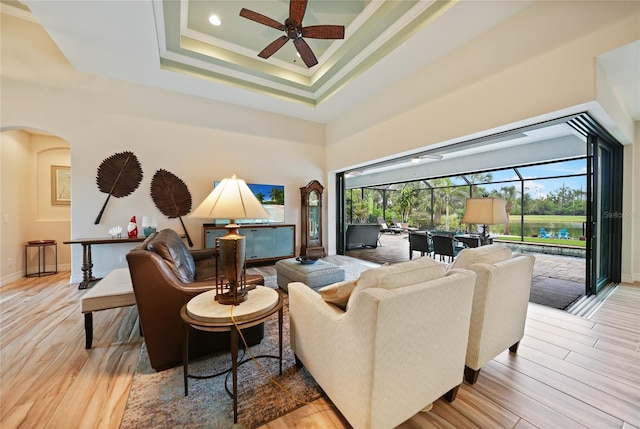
(165, 276)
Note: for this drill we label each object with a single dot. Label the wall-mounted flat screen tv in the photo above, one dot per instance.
(272, 199)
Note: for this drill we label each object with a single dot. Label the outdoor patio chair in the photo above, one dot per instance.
(446, 246)
(563, 234)
(385, 228)
(469, 241)
(420, 242)
(543, 233)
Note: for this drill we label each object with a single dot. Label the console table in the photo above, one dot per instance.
(87, 263)
(204, 313)
(265, 242)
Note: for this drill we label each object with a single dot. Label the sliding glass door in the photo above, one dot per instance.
(558, 144)
(604, 212)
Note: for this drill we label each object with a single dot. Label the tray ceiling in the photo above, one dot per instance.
(170, 44)
(189, 43)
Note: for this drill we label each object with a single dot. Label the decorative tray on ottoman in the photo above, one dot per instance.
(307, 260)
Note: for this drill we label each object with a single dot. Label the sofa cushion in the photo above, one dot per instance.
(399, 275)
(168, 244)
(486, 254)
(338, 293)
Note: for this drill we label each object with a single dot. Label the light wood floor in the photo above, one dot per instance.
(569, 372)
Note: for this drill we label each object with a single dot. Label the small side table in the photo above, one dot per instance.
(41, 246)
(204, 313)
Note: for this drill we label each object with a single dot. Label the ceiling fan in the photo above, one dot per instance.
(295, 31)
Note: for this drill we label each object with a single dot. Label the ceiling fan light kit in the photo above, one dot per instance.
(294, 30)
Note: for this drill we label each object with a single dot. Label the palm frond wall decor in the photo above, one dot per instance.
(171, 196)
(118, 175)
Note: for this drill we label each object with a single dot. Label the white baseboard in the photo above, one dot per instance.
(630, 278)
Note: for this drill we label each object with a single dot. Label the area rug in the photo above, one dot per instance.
(555, 293)
(157, 400)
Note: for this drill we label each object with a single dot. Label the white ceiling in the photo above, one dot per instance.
(170, 44)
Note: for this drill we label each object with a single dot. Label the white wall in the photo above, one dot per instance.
(536, 66)
(199, 141)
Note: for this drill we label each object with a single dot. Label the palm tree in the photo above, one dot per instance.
(277, 195)
(510, 195)
(405, 202)
(477, 178)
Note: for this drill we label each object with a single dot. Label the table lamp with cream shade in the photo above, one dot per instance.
(231, 199)
(485, 211)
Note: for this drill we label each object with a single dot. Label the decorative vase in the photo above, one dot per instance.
(148, 231)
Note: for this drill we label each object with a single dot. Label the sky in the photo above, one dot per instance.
(537, 187)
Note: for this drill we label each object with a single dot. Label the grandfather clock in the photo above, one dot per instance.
(311, 222)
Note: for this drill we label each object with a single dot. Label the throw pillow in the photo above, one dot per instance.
(486, 254)
(168, 244)
(399, 275)
(338, 293)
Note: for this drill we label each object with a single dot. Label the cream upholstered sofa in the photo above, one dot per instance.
(500, 302)
(399, 345)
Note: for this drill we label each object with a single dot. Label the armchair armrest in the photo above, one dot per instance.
(201, 254)
(310, 298)
(196, 288)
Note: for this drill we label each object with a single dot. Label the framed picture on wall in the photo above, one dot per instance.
(60, 185)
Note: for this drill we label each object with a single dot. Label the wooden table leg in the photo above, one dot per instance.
(234, 369)
(87, 265)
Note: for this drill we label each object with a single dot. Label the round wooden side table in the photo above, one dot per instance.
(41, 245)
(204, 313)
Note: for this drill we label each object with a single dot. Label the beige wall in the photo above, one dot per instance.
(27, 212)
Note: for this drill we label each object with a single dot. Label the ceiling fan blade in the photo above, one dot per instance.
(258, 17)
(273, 47)
(305, 52)
(296, 10)
(323, 32)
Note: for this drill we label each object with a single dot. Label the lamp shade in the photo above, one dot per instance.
(231, 199)
(485, 211)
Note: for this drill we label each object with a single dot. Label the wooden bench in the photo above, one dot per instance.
(113, 291)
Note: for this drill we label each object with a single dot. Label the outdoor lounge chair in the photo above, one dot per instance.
(563, 234)
(385, 228)
(404, 227)
(543, 233)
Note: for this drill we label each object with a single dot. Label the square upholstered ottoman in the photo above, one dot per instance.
(314, 275)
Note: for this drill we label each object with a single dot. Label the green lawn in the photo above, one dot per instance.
(549, 218)
(579, 243)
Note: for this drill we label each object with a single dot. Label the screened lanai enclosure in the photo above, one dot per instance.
(551, 197)
(560, 180)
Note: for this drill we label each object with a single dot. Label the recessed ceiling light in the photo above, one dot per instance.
(214, 20)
